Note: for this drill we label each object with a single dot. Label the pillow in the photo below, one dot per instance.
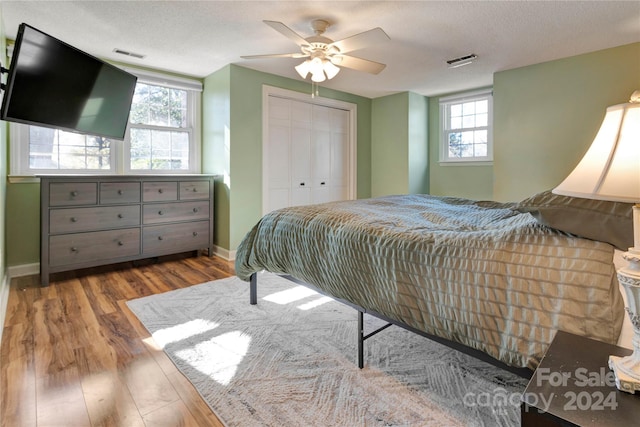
(610, 222)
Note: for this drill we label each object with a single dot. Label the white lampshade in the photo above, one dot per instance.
(320, 69)
(330, 69)
(303, 69)
(610, 170)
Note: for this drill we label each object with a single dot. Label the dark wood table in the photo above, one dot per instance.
(573, 386)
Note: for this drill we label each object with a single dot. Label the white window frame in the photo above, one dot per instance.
(445, 103)
(120, 153)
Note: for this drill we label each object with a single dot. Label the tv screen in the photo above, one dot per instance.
(53, 84)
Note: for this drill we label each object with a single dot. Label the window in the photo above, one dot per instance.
(163, 136)
(466, 134)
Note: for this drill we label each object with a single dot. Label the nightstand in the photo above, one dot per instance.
(573, 386)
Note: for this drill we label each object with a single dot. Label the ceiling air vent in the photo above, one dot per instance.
(463, 60)
(127, 53)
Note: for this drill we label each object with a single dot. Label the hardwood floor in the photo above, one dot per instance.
(73, 354)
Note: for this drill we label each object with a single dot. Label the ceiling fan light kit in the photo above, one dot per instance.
(324, 56)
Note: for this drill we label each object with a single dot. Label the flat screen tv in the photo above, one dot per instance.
(53, 84)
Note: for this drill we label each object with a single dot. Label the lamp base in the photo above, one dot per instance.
(627, 369)
(627, 372)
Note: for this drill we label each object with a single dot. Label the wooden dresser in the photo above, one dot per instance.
(89, 220)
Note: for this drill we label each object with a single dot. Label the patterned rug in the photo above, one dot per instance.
(290, 360)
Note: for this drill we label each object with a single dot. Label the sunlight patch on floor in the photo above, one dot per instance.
(290, 295)
(315, 303)
(180, 332)
(225, 353)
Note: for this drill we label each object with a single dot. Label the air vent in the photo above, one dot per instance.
(463, 60)
(127, 53)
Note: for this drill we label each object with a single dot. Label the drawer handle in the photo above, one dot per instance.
(120, 192)
(195, 190)
(74, 249)
(160, 190)
(120, 216)
(74, 219)
(160, 213)
(195, 233)
(160, 238)
(195, 210)
(74, 193)
(120, 243)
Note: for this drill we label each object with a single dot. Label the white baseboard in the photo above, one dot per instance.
(34, 268)
(4, 300)
(24, 270)
(224, 253)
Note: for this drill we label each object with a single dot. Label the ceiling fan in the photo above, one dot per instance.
(325, 57)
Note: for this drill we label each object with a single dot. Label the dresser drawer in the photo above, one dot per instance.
(193, 190)
(175, 238)
(159, 191)
(95, 246)
(73, 193)
(170, 212)
(66, 220)
(119, 192)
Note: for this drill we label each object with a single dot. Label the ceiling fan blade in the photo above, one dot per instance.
(276, 55)
(287, 32)
(359, 64)
(358, 41)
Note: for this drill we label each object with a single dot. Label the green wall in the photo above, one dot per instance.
(399, 145)
(216, 146)
(389, 148)
(546, 116)
(241, 89)
(469, 181)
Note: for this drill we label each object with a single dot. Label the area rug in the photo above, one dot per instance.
(290, 360)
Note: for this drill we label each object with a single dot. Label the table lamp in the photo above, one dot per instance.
(610, 170)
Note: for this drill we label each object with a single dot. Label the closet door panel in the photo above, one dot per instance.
(307, 154)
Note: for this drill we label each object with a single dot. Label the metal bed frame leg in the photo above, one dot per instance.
(362, 336)
(360, 339)
(253, 289)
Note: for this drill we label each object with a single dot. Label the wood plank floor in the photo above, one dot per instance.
(73, 354)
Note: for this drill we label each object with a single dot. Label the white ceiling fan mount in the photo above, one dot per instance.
(324, 55)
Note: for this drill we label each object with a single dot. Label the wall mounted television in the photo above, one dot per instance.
(53, 84)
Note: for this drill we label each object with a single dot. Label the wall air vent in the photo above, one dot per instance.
(127, 53)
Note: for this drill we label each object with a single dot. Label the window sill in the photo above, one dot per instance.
(23, 179)
(467, 163)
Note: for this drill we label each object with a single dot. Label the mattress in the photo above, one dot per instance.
(477, 273)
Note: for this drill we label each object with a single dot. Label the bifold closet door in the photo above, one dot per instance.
(306, 155)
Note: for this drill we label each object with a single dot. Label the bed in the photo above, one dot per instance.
(495, 278)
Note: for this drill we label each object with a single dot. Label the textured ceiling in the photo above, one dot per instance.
(197, 38)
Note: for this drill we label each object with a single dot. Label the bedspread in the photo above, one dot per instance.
(477, 273)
